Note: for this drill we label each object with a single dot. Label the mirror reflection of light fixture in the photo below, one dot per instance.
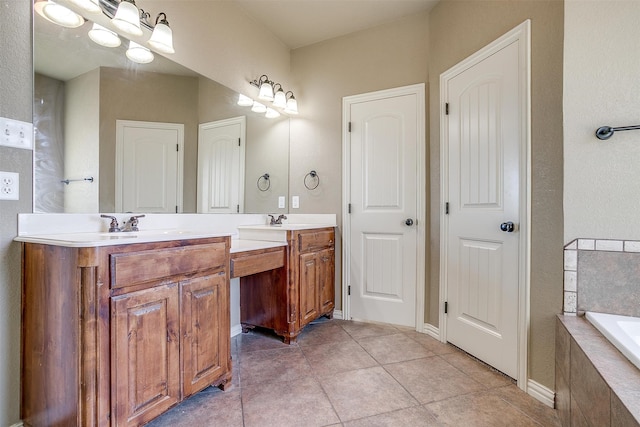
(58, 14)
(104, 36)
(279, 99)
(271, 113)
(244, 101)
(162, 36)
(127, 18)
(292, 104)
(139, 54)
(258, 108)
(91, 6)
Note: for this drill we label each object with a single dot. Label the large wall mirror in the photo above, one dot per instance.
(82, 89)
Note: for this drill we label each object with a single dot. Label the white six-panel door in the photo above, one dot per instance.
(383, 222)
(484, 178)
(149, 158)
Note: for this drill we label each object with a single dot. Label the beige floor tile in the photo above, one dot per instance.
(363, 329)
(322, 333)
(331, 358)
(393, 348)
(207, 408)
(365, 392)
(284, 364)
(479, 409)
(259, 340)
(301, 402)
(466, 363)
(432, 344)
(416, 416)
(431, 379)
(545, 415)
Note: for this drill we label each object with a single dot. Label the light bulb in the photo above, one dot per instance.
(59, 15)
(244, 101)
(258, 108)
(104, 36)
(90, 6)
(271, 113)
(162, 37)
(292, 106)
(280, 99)
(266, 91)
(127, 18)
(139, 54)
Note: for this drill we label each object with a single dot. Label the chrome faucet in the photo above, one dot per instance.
(132, 223)
(274, 221)
(113, 227)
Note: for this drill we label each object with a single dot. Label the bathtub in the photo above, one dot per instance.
(622, 331)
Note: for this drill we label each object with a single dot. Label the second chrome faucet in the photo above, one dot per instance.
(130, 225)
(278, 221)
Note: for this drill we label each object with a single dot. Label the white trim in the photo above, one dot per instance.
(431, 330)
(19, 424)
(236, 330)
(337, 314)
(522, 35)
(421, 223)
(541, 393)
(120, 125)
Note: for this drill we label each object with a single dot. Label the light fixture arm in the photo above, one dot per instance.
(258, 82)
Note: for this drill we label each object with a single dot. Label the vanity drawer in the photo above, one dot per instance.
(309, 240)
(135, 267)
(248, 263)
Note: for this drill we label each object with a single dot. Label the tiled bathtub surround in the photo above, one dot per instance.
(602, 276)
(595, 384)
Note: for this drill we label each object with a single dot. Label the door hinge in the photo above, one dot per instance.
(238, 142)
(237, 208)
(446, 307)
(349, 127)
(349, 290)
(446, 208)
(177, 147)
(446, 108)
(349, 207)
(176, 208)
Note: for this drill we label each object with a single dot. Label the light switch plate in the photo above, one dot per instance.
(295, 202)
(281, 202)
(9, 186)
(16, 134)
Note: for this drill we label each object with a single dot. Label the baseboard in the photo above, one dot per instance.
(541, 393)
(236, 330)
(337, 314)
(431, 330)
(17, 424)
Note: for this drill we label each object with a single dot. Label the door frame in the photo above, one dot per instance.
(421, 224)
(522, 35)
(120, 125)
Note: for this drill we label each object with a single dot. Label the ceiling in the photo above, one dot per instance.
(299, 23)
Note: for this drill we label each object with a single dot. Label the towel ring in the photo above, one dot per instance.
(267, 182)
(314, 179)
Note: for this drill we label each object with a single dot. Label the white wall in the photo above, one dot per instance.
(601, 87)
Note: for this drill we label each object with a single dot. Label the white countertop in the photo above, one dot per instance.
(286, 226)
(242, 245)
(92, 239)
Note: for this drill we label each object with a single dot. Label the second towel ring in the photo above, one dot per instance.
(267, 185)
(314, 179)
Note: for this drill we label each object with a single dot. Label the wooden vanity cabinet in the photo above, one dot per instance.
(287, 300)
(115, 335)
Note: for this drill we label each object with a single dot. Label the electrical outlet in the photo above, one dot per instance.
(17, 134)
(295, 202)
(9, 186)
(281, 202)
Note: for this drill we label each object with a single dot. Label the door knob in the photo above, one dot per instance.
(507, 227)
(409, 222)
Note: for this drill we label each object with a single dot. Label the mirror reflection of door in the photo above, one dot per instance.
(149, 158)
(221, 149)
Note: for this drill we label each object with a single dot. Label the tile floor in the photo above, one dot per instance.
(343, 373)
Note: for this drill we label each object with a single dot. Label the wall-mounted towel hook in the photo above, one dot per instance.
(264, 182)
(606, 132)
(67, 181)
(314, 180)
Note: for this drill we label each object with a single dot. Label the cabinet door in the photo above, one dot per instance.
(145, 354)
(326, 279)
(205, 331)
(308, 288)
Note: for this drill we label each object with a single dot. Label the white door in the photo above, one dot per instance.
(385, 141)
(484, 181)
(149, 166)
(221, 166)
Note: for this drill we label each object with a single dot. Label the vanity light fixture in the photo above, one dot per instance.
(258, 107)
(58, 14)
(162, 36)
(139, 54)
(271, 113)
(104, 36)
(279, 99)
(91, 6)
(244, 101)
(127, 18)
(292, 104)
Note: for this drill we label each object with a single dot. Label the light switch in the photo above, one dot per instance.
(281, 202)
(9, 186)
(295, 202)
(17, 134)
